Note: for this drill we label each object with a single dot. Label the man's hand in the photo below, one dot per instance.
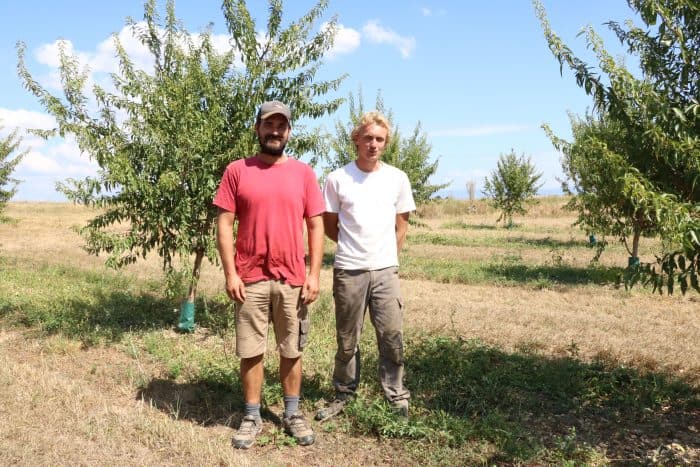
(310, 290)
(235, 288)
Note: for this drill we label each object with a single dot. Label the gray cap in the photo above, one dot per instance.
(274, 107)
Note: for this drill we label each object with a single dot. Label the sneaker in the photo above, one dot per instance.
(331, 410)
(400, 407)
(247, 431)
(297, 427)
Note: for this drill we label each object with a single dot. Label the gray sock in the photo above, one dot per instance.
(291, 405)
(252, 409)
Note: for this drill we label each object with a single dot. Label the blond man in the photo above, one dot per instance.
(368, 203)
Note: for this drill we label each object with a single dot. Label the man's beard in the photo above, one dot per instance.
(271, 151)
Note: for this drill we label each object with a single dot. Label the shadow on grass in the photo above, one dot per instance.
(217, 397)
(464, 226)
(427, 238)
(548, 242)
(107, 316)
(559, 274)
(204, 402)
(506, 271)
(96, 317)
(91, 306)
(524, 402)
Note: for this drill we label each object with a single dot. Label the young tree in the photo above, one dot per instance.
(8, 162)
(595, 163)
(410, 154)
(661, 110)
(512, 186)
(163, 138)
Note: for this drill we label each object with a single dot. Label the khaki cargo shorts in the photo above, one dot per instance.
(271, 301)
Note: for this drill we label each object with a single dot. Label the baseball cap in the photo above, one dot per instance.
(274, 107)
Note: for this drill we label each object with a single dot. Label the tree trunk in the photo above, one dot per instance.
(196, 270)
(633, 260)
(186, 321)
(635, 242)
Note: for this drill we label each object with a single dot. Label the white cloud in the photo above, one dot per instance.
(66, 149)
(50, 54)
(58, 157)
(33, 142)
(427, 11)
(346, 40)
(377, 34)
(104, 58)
(480, 130)
(222, 43)
(37, 162)
(25, 119)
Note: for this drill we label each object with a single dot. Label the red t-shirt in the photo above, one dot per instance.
(271, 202)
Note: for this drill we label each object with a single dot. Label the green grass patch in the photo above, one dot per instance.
(93, 306)
(507, 270)
(430, 238)
(532, 407)
(476, 404)
(461, 225)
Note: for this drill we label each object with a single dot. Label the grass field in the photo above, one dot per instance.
(519, 351)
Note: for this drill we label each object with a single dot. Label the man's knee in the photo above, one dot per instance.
(391, 347)
(247, 362)
(345, 354)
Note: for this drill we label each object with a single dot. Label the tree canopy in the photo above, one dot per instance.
(595, 163)
(163, 137)
(512, 185)
(9, 158)
(660, 110)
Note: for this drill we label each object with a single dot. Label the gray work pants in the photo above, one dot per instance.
(354, 292)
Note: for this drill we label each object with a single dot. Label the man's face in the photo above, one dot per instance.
(273, 134)
(370, 143)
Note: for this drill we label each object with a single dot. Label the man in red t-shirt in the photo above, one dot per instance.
(272, 195)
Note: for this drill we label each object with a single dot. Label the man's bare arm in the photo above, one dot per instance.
(401, 229)
(330, 224)
(224, 243)
(314, 227)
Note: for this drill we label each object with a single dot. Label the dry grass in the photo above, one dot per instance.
(637, 329)
(63, 404)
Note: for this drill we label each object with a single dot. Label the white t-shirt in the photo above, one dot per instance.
(367, 204)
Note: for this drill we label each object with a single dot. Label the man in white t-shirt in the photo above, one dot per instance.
(368, 203)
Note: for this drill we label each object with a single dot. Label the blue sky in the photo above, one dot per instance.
(477, 75)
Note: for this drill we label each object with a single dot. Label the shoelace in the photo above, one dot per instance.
(297, 421)
(248, 426)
